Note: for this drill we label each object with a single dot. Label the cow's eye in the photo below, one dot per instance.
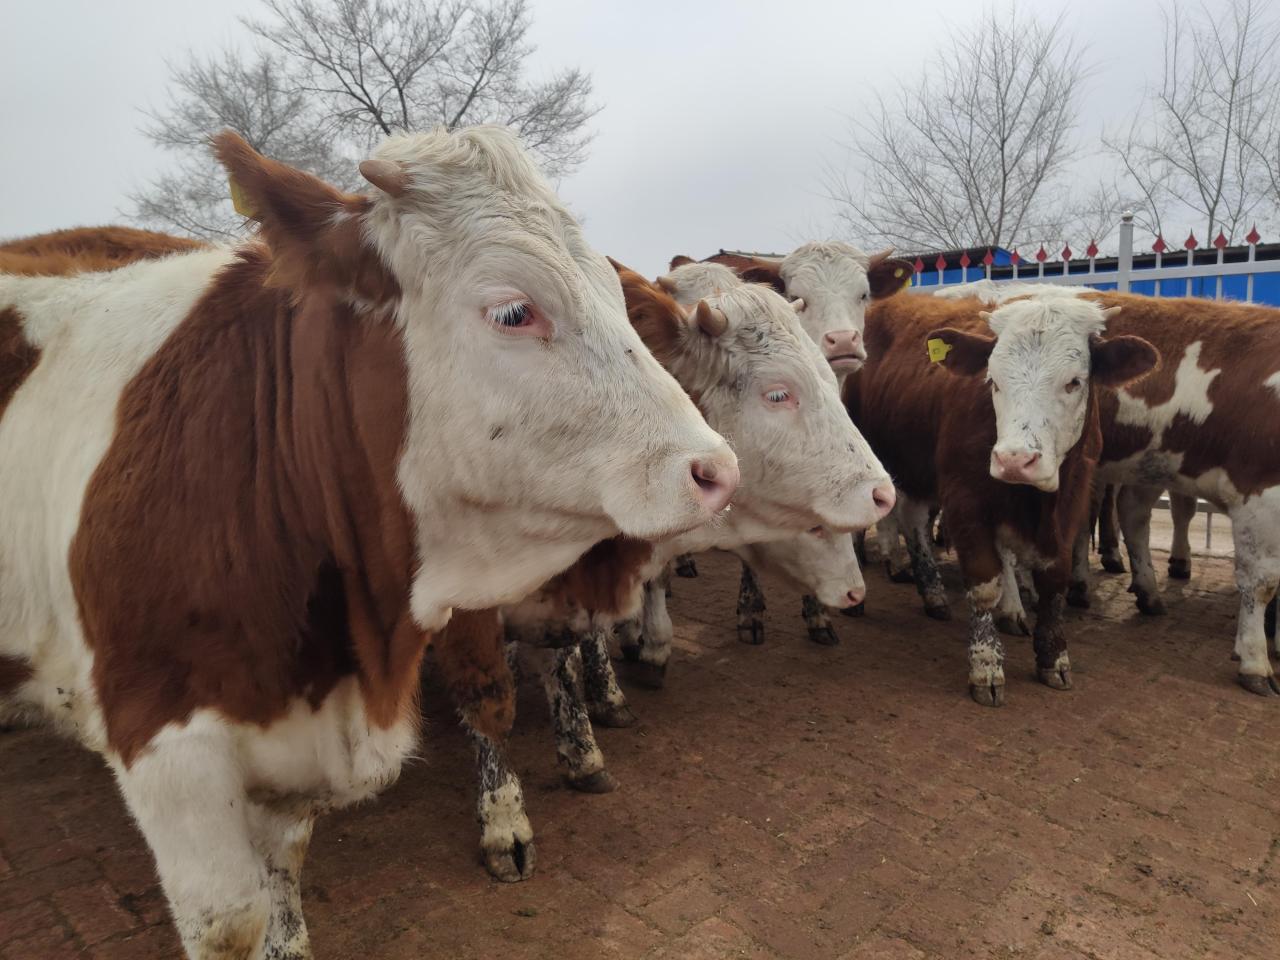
(777, 396)
(1075, 384)
(818, 532)
(514, 314)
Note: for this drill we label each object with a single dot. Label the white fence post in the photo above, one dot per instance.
(1124, 265)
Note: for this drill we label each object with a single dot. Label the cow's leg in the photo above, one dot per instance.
(1255, 530)
(282, 833)
(1010, 616)
(938, 529)
(818, 621)
(750, 608)
(646, 643)
(685, 567)
(575, 740)
(1183, 510)
(980, 563)
(476, 664)
(1078, 587)
(889, 538)
(1133, 505)
(606, 703)
(867, 547)
(915, 522)
(1053, 667)
(1109, 530)
(187, 794)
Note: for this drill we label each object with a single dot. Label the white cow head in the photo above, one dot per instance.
(833, 282)
(1046, 358)
(762, 383)
(815, 562)
(538, 423)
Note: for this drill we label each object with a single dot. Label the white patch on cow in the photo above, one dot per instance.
(94, 332)
(1255, 530)
(1039, 372)
(696, 281)
(1273, 382)
(1190, 399)
(996, 292)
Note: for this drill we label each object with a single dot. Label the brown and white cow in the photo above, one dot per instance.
(759, 378)
(243, 487)
(1007, 447)
(830, 284)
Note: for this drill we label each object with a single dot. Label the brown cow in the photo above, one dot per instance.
(88, 249)
(1009, 456)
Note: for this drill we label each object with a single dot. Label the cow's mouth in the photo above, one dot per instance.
(846, 361)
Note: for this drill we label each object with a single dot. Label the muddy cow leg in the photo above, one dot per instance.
(1010, 616)
(475, 662)
(915, 522)
(281, 834)
(980, 564)
(646, 642)
(1183, 510)
(606, 703)
(818, 621)
(1255, 530)
(580, 755)
(894, 552)
(1109, 530)
(1078, 588)
(1133, 506)
(1053, 667)
(685, 567)
(751, 608)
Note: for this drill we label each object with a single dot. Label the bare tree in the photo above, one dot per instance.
(1193, 146)
(334, 76)
(974, 151)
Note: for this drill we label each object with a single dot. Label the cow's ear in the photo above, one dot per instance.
(1116, 361)
(653, 313)
(680, 260)
(886, 275)
(762, 271)
(313, 228)
(965, 354)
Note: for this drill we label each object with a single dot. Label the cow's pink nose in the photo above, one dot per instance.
(715, 478)
(842, 343)
(1016, 462)
(883, 496)
(856, 596)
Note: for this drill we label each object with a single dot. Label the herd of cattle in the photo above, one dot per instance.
(248, 488)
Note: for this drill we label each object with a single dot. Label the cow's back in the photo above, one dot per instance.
(1211, 412)
(73, 344)
(911, 410)
(88, 249)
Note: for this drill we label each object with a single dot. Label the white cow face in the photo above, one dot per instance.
(833, 283)
(691, 282)
(538, 423)
(763, 384)
(1047, 355)
(816, 562)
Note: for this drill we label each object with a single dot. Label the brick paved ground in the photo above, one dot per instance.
(782, 801)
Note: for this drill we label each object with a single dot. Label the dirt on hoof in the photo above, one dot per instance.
(1059, 678)
(824, 636)
(602, 781)
(751, 633)
(1179, 568)
(511, 864)
(616, 717)
(1078, 595)
(1112, 564)
(1262, 686)
(987, 694)
(1151, 606)
(938, 612)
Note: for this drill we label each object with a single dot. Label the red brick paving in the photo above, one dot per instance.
(786, 801)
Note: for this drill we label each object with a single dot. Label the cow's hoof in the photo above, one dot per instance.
(1112, 564)
(899, 576)
(1151, 606)
(685, 567)
(857, 610)
(615, 716)
(823, 636)
(1262, 686)
(1179, 568)
(1078, 594)
(752, 633)
(1059, 678)
(1012, 624)
(937, 611)
(988, 694)
(512, 864)
(652, 676)
(602, 781)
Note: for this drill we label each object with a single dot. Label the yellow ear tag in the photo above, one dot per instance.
(938, 349)
(240, 201)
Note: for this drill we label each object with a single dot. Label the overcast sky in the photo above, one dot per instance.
(719, 117)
